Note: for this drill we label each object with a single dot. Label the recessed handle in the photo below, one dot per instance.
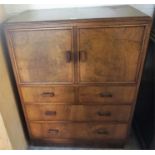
(53, 131)
(48, 94)
(68, 56)
(83, 56)
(102, 113)
(105, 94)
(50, 113)
(102, 132)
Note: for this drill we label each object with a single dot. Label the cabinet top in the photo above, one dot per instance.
(64, 14)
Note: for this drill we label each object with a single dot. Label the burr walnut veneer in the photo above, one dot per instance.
(78, 71)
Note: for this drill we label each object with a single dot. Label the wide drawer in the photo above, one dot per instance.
(55, 94)
(78, 130)
(78, 112)
(107, 94)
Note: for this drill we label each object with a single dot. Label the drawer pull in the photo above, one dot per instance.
(105, 94)
(47, 94)
(68, 56)
(53, 131)
(101, 113)
(50, 113)
(102, 132)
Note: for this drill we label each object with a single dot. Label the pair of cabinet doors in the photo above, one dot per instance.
(78, 55)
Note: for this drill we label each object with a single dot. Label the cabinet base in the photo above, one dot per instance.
(78, 143)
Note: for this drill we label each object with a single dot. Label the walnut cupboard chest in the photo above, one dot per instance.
(78, 71)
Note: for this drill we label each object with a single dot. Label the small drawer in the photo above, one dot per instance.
(107, 94)
(54, 94)
(78, 130)
(78, 112)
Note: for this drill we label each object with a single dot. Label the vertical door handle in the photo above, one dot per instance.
(68, 56)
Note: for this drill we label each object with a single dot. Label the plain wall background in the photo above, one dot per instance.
(11, 130)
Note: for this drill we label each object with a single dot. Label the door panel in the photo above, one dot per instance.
(44, 55)
(109, 54)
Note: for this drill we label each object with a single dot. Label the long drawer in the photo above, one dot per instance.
(78, 112)
(52, 94)
(87, 94)
(106, 94)
(78, 130)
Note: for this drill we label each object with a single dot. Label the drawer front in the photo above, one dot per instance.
(78, 112)
(48, 94)
(78, 130)
(107, 94)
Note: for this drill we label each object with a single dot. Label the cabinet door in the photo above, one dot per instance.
(110, 54)
(43, 55)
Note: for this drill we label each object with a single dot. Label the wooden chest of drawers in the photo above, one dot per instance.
(78, 71)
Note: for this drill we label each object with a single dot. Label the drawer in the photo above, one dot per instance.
(107, 94)
(78, 112)
(54, 94)
(78, 130)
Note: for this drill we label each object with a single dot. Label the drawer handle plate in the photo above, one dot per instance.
(102, 132)
(101, 113)
(50, 113)
(106, 95)
(68, 56)
(53, 131)
(48, 94)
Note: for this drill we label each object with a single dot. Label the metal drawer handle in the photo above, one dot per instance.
(102, 132)
(47, 94)
(53, 131)
(68, 56)
(50, 113)
(102, 113)
(105, 94)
